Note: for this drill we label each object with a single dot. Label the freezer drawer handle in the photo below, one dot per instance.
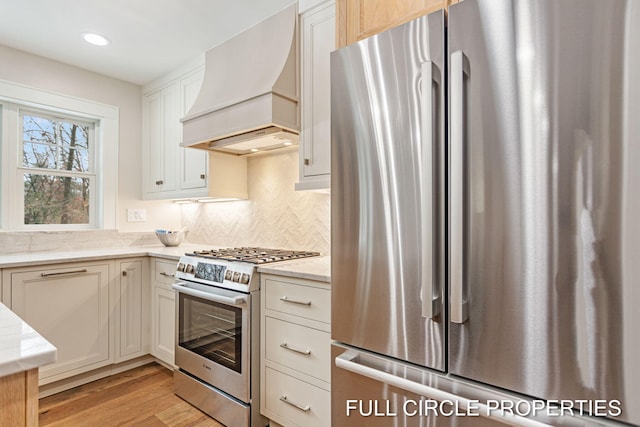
(460, 71)
(62, 273)
(284, 399)
(346, 361)
(297, 350)
(294, 301)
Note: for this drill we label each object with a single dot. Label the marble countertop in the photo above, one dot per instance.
(55, 257)
(317, 268)
(21, 347)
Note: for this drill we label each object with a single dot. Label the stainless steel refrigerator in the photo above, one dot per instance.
(486, 217)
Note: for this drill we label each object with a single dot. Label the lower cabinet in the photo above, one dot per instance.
(132, 309)
(163, 311)
(19, 399)
(69, 305)
(96, 313)
(295, 365)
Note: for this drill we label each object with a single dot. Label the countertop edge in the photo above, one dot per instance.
(317, 268)
(21, 347)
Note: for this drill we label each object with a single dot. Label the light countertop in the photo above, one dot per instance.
(316, 268)
(21, 347)
(54, 257)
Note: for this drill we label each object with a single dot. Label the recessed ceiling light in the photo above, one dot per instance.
(95, 39)
(254, 150)
(287, 143)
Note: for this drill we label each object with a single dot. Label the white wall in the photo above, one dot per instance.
(43, 73)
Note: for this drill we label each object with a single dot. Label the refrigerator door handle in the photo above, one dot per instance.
(460, 70)
(430, 78)
(346, 361)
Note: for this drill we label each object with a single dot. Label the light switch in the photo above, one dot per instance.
(136, 215)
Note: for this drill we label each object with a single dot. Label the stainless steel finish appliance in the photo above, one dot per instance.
(484, 205)
(218, 331)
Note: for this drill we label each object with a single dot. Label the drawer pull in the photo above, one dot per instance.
(294, 301)
(284, 399)
(84, 270)
(162, 273)
(297, 350)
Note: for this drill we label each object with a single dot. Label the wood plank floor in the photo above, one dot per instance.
(139, 397)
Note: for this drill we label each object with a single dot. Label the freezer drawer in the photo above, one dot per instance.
(372, 390)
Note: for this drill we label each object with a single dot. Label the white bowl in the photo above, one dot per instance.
(171, 237)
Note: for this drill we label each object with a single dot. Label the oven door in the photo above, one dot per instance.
(212, 336)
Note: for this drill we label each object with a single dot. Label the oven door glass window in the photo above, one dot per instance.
(212, 330)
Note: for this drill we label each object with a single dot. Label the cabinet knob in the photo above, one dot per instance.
(159, 182)
(124, 273)
(203, 176)
(307, 162)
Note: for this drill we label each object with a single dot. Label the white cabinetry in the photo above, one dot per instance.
(69, 305)
(318, 26)
(170, 171)
(163, 311)
(96, 313)
(132, 303)
(295, 345)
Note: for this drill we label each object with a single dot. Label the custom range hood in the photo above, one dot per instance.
(248, 101)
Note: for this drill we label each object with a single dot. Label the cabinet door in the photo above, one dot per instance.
(131, 303)
(163, 320)
(161, 140)
(69, 306)
(318, 40)
(193, 165)
(163, 312)
(359, 19)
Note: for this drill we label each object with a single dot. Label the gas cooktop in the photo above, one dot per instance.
(253, 255)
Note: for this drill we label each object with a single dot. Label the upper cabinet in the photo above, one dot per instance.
(317, 33)
(170, 171)
(359, 19)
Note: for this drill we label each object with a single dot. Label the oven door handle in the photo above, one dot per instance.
(239, 300)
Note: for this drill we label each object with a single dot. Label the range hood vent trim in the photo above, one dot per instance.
(256, 88)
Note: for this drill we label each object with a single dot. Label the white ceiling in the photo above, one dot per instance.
(148, 37)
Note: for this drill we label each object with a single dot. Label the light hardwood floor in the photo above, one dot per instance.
(140, 397)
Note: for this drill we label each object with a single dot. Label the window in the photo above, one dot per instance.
(58, 169)
(58, 161)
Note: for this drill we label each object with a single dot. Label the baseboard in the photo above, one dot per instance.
(96, 374)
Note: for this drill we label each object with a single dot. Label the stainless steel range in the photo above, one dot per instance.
(218, 331)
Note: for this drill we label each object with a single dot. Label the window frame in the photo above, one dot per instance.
(93, 174)
(15, 98)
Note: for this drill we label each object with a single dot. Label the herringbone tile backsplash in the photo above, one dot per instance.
(275, 215)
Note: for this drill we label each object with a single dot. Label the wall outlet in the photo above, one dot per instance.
(136, 215)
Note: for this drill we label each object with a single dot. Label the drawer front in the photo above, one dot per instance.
(164, 272)
(299, 300)
(283, 393)
(304, 349)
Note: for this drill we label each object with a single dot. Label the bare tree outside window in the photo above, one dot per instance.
(57, 170)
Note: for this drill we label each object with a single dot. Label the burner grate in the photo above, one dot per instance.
(254, 255)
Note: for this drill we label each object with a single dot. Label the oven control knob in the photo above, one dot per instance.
(228, 275)
(189, 269)
(181, 267)
(236, 277)
(244, 279)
